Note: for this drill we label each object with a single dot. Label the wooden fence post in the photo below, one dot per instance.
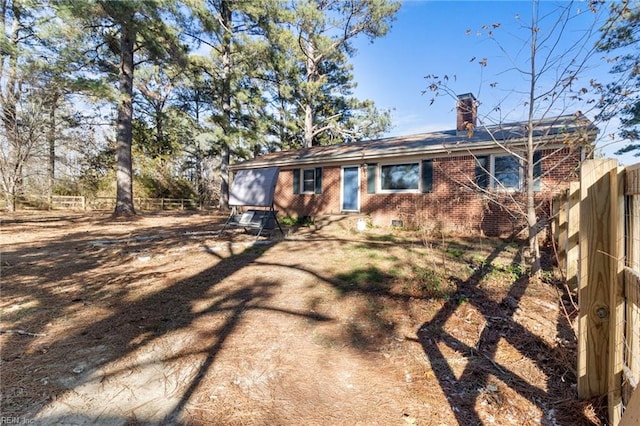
(631, 397)
(632, 189)
(598, 258)
(562, 230)
(616, 298)
(573, 243)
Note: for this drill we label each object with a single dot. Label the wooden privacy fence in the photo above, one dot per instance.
(597, 227)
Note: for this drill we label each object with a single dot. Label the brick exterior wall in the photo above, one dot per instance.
(451, 206)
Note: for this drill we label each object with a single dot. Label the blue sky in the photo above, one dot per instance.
(432, 37)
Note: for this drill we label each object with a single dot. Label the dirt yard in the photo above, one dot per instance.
(163, 320)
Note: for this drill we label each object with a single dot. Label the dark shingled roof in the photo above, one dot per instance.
(557, 130)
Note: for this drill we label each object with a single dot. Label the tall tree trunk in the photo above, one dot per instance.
(312, 78)
(124, 172)
(225, 154)
(532, 216)
(308, 125)
(51, 136)
(9, 98)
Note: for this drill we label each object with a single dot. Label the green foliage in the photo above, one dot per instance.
(509, 272)
(237, 95)
(427, 282)
(382, 238)
(312, 55)
(288, 221)
(462, 299)
(370, 279)
(455, 252)
(621, 37)
(296, 221)
(97, 173)
(157, 185)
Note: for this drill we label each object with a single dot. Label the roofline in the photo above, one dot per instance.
(427, 151)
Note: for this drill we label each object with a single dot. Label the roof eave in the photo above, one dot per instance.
(431, 150)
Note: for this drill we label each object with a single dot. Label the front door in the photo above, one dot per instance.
(350, 188)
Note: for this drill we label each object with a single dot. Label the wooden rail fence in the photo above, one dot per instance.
(109, 203)
(68, 202)
(597, 229)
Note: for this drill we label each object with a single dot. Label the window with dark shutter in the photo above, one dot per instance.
(371, 178)
(427, 176)
(537, 171)
(296, 181)
(482, 172)
(318, 183)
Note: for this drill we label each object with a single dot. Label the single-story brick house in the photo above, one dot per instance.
(440, 179)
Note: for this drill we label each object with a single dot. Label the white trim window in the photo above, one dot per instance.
(506, 172)
(307, 181)
(400, 177)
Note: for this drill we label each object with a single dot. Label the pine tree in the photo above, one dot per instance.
(621, 98)
(120, 30)
(324, 31)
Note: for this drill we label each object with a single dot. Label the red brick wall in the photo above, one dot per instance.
(297, 205)
(452, 206)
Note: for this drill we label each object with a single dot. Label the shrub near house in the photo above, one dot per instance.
(466, 179)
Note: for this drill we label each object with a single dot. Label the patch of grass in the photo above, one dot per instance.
(370, 278)
(462, 299)
(373, 255)
(356, 335)
(457, 253)
(324, 340)
(425, 282)
(370, 326)
(506, 273)
(382, 238)
(515, 270)
(297, 221)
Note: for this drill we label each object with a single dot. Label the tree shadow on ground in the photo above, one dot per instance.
(475, 386)
(131, 323)
(478, 382)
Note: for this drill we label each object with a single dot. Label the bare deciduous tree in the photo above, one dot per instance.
(556, 91)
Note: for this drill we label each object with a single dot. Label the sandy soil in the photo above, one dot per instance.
(161, 319)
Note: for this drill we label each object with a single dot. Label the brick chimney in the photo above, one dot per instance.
(467, 114)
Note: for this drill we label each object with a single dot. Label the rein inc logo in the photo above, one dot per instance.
(16, 421)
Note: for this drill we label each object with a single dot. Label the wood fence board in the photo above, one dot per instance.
(562, 233)
(603, 234)
(616, 297)
(573, 227)
(631, 416)
(633, 230)
(596, 248)
(632, 327)
(632, 179)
